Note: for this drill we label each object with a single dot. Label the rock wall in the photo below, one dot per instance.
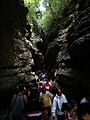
(79, 46)
(70, 65)
(12, 58)
(78, 40)
(60, 63)
(17, 48)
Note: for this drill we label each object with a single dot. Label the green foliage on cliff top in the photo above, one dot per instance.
(54, 13)
(47, 13)
(34, 12)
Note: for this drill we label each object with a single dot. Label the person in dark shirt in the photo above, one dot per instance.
(83, 111)
(18, 104)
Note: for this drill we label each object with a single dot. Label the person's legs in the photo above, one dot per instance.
(49, 111)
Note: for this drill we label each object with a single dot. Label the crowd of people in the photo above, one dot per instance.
(40, 100)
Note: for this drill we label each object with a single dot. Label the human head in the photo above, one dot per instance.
(73, 103)
(59, 91)
(66, 107)
(83, 111)
(43, 90)
(20, 88)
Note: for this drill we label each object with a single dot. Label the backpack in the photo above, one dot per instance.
(18, 107)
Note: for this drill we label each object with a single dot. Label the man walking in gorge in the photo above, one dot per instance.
(46, 98)
(58, 101)
(18, 105)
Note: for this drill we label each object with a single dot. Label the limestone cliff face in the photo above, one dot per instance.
(59, 62)
(18, 47)
(78, 40)
(18, 62)
(71, 61)
(12, 23)
(12, 47)
(79, 46)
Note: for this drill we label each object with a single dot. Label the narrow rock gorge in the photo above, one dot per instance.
(62, 52)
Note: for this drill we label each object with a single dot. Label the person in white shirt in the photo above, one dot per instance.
(84, 100)
(58, 100)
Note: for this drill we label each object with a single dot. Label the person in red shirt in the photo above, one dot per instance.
(47, 86)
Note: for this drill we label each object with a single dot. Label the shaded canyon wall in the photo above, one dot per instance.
(70, 65)
(17, 48)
